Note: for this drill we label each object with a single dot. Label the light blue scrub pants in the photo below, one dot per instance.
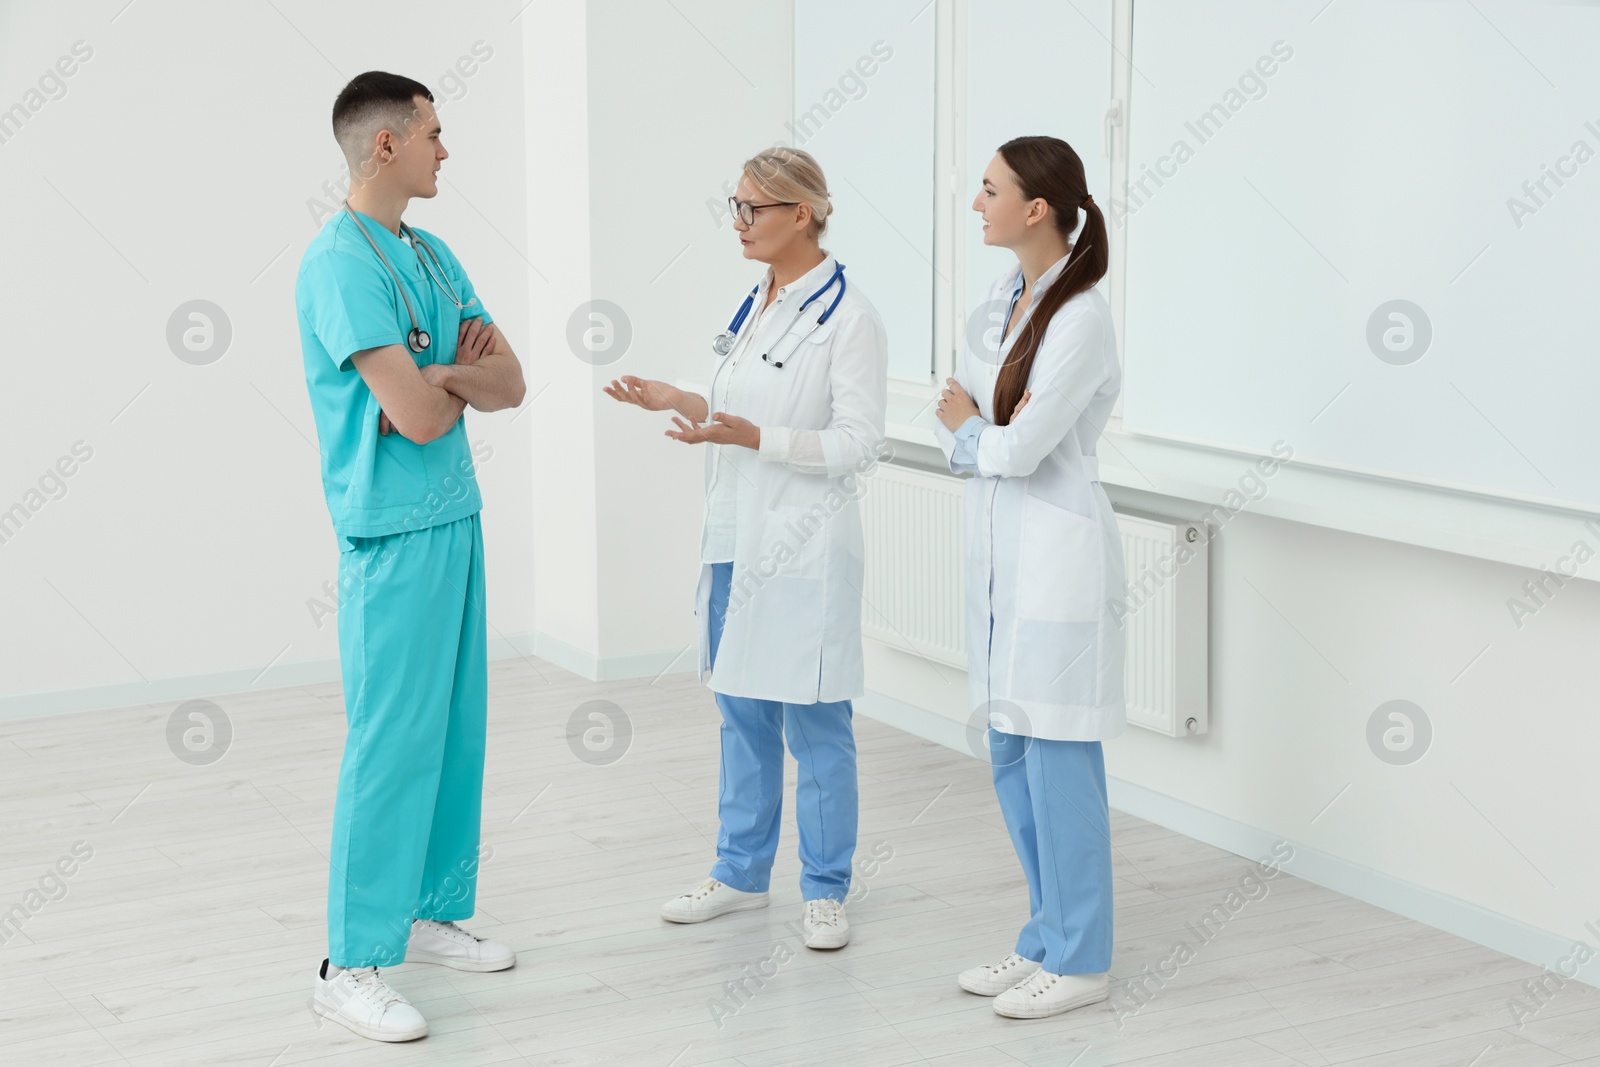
(750, 797)
(1053, 796)
(415, 667)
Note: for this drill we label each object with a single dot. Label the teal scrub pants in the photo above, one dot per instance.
(406, 819)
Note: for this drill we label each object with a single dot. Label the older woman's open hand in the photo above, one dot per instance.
(723, 429)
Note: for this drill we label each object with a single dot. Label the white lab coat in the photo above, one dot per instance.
(793, 628)
(1044, 556)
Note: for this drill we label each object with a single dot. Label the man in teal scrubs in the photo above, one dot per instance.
(398, 474)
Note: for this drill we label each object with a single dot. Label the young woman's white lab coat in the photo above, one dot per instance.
(1044, 557)
(793, 628)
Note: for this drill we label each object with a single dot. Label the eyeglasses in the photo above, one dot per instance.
(747, 212)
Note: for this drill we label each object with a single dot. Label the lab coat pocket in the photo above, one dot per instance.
(802, 343)
(1062, 571)
(793, 542)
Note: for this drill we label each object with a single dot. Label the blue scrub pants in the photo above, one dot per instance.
(415, 667)
(1053, 796)
(750, 798)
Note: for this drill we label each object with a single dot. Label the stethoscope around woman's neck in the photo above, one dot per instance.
(722, 343)
(418, 339)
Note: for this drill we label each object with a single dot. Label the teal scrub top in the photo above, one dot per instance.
(347, 301)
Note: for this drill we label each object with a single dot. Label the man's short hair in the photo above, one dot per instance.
(373, 101)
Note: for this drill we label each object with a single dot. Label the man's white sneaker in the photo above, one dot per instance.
(360, 999)
(825, 924)
(708, 900)
(992, 979)
(1042, 993)
(447, 943)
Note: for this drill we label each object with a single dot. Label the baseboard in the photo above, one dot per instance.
(209, 684)
(586, 664)
(1439, 910)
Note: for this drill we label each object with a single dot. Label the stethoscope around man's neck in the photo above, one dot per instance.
(418, 339)
(722, 343)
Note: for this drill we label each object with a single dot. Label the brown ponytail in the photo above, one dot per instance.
(1047, 168)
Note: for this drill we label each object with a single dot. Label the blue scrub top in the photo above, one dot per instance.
(347, 301)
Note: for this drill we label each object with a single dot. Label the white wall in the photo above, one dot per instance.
(679, 96)
(1311, 631)
(561, 430)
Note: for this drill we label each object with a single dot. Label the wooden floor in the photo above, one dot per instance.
(191, 934)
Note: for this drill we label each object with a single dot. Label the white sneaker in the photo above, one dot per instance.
(1043, 993)
(360, 999)
(447, 943)
(708, 900)
(825, 924)
(992, 979)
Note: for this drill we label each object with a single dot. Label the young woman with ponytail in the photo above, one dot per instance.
(1044, 566)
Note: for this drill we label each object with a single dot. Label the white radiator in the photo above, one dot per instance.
(1165, 677)
(914, 597)
(915, 591)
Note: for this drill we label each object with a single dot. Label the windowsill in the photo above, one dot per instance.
(1469, 524)
(1201, 477)
(910, 417)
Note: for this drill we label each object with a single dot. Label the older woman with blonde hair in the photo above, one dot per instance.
(794, 419)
